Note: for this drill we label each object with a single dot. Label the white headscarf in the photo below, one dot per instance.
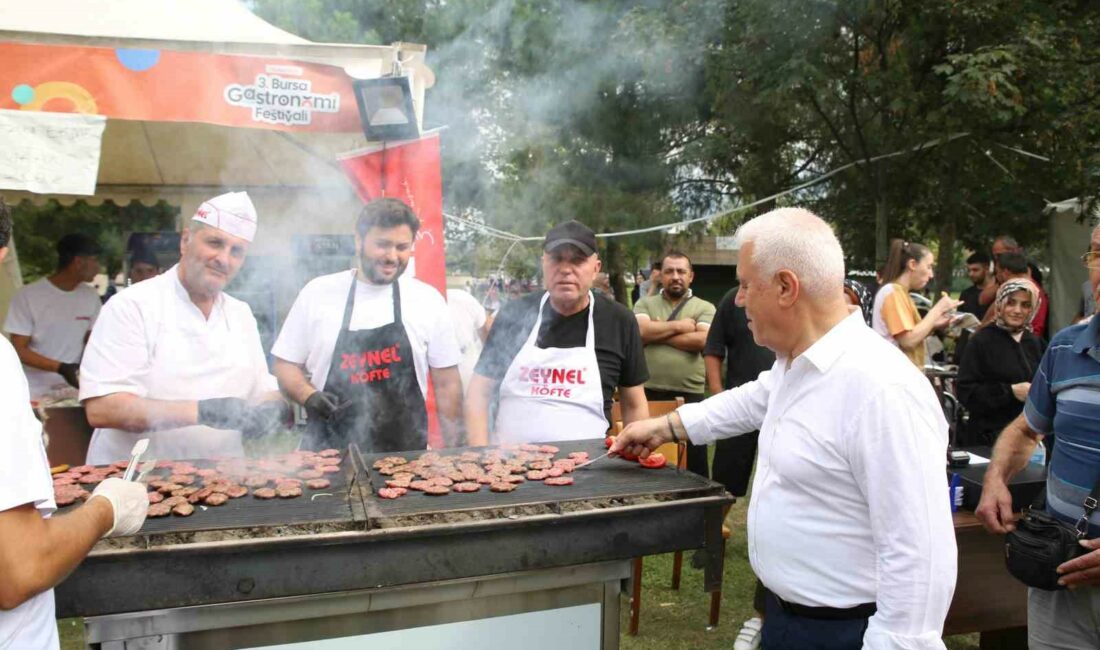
(1007, 289)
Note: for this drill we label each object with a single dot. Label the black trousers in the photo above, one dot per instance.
(786, 631)
(733, 457)
(696, 454)
(733, 461)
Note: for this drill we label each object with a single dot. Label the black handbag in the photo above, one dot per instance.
(1040, 543)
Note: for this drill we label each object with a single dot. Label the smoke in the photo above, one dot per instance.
(553, 106)
(550, 107)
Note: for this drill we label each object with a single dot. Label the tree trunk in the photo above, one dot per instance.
(614, 270)
(945, 260)
(882, 224)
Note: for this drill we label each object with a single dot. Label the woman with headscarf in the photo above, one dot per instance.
(998, 363)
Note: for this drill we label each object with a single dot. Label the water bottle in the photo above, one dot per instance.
(1039, 457)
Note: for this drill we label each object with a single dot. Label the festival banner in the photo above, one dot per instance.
(409, 171)
(172, 86)
(412, 172)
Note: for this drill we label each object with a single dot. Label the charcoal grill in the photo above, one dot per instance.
(356, 565)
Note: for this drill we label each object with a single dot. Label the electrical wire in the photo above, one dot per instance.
(503, 234)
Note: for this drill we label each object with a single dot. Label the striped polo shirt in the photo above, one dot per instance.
(1065, 401)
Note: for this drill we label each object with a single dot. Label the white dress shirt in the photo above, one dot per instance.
(152, 341)
(850, 501)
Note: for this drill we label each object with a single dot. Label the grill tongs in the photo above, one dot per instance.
(135, 454)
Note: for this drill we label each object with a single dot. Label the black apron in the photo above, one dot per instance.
(374, 370)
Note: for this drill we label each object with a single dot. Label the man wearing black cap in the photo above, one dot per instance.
(555, 358)
(49, 320)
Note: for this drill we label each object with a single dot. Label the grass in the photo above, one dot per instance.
(674, 620)
(670, 620)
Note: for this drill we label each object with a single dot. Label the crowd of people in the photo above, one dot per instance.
(812, 376)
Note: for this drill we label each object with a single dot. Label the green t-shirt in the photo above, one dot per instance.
(670, 368)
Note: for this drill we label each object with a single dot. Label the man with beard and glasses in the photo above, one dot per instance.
(369, 338)
(176, 360)
(674, 326)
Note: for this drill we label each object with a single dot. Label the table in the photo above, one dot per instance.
(987, 599)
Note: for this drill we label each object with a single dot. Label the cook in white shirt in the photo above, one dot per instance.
(49, 320)
(850, 502)
(177, 360)
(36, 550)
(470, 320)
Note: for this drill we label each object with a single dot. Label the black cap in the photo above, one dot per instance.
(78, 245)
(572, 233)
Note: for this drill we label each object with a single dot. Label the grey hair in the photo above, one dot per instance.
(800, 241)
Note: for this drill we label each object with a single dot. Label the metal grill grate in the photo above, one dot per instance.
(609, 478)
(250, 512)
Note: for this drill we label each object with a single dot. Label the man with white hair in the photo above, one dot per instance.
(177, 360)
(849, 525)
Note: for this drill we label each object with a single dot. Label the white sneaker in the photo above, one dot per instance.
(749, 636)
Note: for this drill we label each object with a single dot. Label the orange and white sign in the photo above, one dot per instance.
(170, 86)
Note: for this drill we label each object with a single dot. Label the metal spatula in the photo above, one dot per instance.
(589, 462)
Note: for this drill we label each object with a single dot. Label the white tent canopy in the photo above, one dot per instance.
(291, 176)
(215, 26)
(173, 20)
(1068, 238)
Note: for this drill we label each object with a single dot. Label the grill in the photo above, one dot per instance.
(331, 505)
(276, 558)
(607, 479)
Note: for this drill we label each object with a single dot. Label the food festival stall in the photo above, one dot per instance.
(180, 100)
(190, 98)
(128, 100)
(536, 564)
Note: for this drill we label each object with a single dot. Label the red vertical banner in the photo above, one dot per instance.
(412, 172)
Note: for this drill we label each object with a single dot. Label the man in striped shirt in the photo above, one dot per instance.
(1064, 400)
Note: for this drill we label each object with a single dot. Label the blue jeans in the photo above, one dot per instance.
(785, 631)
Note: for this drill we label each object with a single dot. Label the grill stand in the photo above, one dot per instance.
(387, 587)
(575, 607)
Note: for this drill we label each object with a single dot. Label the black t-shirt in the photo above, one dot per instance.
(729, 336)
(969, 296)
(619, 351)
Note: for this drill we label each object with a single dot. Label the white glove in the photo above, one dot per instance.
(130, 502)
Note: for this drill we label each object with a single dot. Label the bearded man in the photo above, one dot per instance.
(369, 338)
(674, 326)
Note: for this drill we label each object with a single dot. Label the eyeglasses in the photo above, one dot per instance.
(1091, 259)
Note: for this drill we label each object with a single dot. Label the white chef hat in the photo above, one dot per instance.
(232, 212)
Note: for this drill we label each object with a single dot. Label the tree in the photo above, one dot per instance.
(38, 228)
(554, 110)
(847, 81)
(629, 114)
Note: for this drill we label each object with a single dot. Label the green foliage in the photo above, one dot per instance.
(628, 113)
(38, 228)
